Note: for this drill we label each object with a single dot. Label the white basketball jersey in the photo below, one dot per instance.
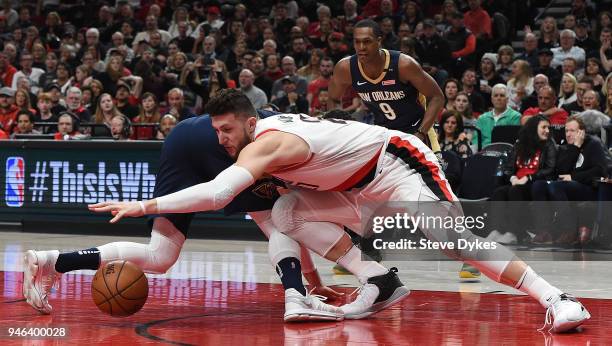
(341, 151)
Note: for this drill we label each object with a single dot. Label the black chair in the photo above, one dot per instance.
(497, 149)
(558, 133)
(505, 133)
(481, 175)
(452, 167)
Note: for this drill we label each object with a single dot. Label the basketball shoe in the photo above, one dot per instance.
(309, 308)
(39, 276)
(564, 313)
(469, 272)
(380, 292)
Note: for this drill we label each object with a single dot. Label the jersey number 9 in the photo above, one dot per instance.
(389, 112)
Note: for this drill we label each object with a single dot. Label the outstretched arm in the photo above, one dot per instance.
(273, 151)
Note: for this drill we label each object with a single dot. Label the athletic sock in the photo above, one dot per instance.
(536, 287)
(82, 259)
(362, 269)
(290, 272)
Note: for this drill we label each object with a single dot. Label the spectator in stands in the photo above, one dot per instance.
(321, 107)
(533, 158)
(312, 70)
(273, 70)
(568, 49)
(567, 94)
(468, 86)
(531, 100)
(569, 66)
(148, 110)
(389, 38)
(73, 104)
(583, 40)
(291, 101)
(7, 71)
(63, 76)
(451, 88)
(299, 51)
(592, 70)
(22, 101)
(109, 78)
(322, 82)
(582, 11)
(49, 76)
(151, 27)
(433, 51)
(520, 84)
(579, 162)
(125, 100)
(530, 52)
(25, 124)
(257, 96)
(67, 128)
(547, 108)
(412, 14)
(180, 15)
(176, 105)
(478, 21)
(184, 40)
(463, 107)
(505, 57)
(461, 41)
(545, 57)
(106, 110)
(488, 77)
(590, 100)
(569, 22)
(8, 110)
(549, 34)
(261, 79)
(44, 113)
(584, 84)
(121, 127)
(605, 50)
(31, 73)
(452, 136)
(608, 107)
(500, 115)
(166, 124)
(289, 69)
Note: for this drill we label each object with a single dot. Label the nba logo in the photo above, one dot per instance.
(15, 179)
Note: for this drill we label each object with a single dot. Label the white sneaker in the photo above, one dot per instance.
(39, 276)
(379, 293)
(494, 235)
(507, 238)
(309, 308)
(564, 313)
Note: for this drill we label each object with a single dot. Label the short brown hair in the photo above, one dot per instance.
(578, 120)
(230, 101)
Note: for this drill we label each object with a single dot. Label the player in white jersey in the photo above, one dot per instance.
(398, 167)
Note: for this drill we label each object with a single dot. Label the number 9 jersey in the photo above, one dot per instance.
(395, 104)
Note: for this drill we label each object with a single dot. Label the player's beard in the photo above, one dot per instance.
(244, 141)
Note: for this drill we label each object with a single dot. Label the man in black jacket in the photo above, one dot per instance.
(433, 52)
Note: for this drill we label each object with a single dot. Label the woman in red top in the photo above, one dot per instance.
(149, 114)
(533, 158)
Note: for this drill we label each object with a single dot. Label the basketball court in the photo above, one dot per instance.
(226, 293)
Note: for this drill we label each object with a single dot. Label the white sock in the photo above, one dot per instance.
(536, 287)
(362, 269)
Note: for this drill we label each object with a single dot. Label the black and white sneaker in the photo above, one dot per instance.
(564, 313)
(379, 293)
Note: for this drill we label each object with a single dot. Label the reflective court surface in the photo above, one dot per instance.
(227, 293)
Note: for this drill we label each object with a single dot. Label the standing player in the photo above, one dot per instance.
(191, 154)
(394, 88)
(337, 167)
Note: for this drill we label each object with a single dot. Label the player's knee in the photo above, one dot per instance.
(283, 213)
(163, 251)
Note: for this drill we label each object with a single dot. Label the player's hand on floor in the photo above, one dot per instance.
(118, 209)
(328, 292)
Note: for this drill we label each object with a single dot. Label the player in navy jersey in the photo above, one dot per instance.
(191, 155)
(394, 87)
(388, 82)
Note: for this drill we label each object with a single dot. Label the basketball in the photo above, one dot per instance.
(119, 288)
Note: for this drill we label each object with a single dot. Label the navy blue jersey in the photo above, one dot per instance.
(395, 105)
(192, 155)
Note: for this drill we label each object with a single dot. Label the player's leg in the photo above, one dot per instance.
(42, 269)
(287, 257)
(313, 218)
(499, 263)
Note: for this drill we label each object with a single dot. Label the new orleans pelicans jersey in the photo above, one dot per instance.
(395, 104)
(341, 151)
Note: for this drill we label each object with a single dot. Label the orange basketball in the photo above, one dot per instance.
(119, 288)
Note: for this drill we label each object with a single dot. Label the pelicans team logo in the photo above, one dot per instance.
(15, 181)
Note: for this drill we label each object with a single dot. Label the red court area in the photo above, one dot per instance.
(200, 312)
